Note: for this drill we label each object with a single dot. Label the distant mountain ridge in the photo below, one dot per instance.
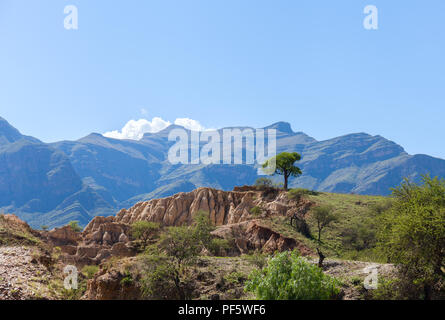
(52, 184)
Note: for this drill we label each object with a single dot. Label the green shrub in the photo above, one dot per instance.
(217, 246)
(144, 231)
(163, 280)
(412, 235)
(202, 228)
(127, 280)
(287, 276)
(258, 259)
(90, 271)
(74, 225)
(298, 193)
(235, 277)
(256, 211)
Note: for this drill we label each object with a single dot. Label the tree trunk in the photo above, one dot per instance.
(286, 177)
(321, 258)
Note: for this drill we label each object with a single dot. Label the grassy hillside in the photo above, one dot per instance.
(352, 236)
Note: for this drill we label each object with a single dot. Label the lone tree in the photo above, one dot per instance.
(323, 217)
(285, 165)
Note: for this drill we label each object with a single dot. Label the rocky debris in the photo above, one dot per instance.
(102, 238)
(110, 285)
(15, 223)
(351, 271)
(22, 276)
(251, 235)
(16, 230)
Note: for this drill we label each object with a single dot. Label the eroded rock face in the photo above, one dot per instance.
(109, 286)
(64, 236)
(230, 211)
(252, 235)
(224, 207)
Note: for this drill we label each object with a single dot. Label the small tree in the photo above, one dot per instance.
(323, 216)
(180, 247)
(144, 231)
(287, 276)
(202, 228)
(412, 235)
(285, 165)
(74, 225)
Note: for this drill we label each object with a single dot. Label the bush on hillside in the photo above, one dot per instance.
(412, 235)
(288, 276)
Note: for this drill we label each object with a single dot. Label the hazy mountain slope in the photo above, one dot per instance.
(33, 176)
(37, 181)
(54, 183)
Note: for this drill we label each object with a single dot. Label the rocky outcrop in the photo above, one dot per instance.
(112, 285)
(224, 207)
(101, 239)
(64, 236)
(252, 235)
(235, 213)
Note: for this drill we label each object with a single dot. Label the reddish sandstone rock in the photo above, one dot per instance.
(64, 236)
(251, 235)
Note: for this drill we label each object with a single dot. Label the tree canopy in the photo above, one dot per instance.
(412, 233)
(284, 164)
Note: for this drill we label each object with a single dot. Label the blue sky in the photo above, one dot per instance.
(226, 63)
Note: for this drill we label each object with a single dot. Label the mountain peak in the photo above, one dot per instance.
(281, 127)
(8, 134)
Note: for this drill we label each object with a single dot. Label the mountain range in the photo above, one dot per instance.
(52, 184)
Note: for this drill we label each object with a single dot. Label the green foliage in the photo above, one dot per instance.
(217, 246)
(256, 211)
(202, 228)
(159, 279)
(287, 276)
(323, 216)
(44, 227)
(387, 289)
(127, 280)
(258, 259)
(235, 277)
(298, 193)
(361, 236)
(412, 234)
(144, 231)
(179, 243)
(74, 225)
(90, 271)
(262, 183)
(284, 165)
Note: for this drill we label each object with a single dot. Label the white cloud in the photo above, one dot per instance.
(135, 129)
(190, 124)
